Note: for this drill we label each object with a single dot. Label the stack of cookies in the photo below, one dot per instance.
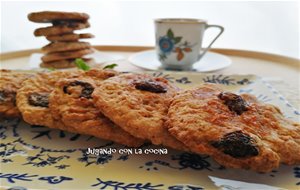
(64, 46)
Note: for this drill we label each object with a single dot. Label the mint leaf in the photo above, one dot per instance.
(177, 40)
(81, 64)
(51, 69)
(111, 66)
(170, 34)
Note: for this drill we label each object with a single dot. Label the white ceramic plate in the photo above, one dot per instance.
(210, 62)
(98, 56)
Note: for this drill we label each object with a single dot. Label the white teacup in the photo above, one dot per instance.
(179, 42)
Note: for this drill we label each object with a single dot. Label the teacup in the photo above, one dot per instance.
(179, 42)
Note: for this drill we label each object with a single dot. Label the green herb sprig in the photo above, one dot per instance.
(111, 66)
(81, 64)
(51, 69)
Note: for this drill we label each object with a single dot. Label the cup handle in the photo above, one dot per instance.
(211, 43)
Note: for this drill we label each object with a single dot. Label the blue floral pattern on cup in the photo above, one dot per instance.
(171, 43)
(166, 45)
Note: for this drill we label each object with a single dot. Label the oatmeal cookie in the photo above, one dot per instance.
(72, 37)
(50, 16)
(71, 102)
(65, 46)
(138, 103)
(67, 63)
(237, 131)
(10, 82)
(66, 55)
(60, 29)
(33, 96)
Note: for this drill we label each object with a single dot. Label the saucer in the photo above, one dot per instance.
(210, 62)
(98, 56)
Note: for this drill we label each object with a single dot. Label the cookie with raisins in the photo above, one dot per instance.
(65, 46)
(52, 16)
(138, 103)
(10, 82)
(33, 96)
(71, 103)
(236, 130)
(58, 56)
(61, 28)
(69, 37)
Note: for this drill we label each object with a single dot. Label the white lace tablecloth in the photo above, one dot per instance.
(287, 91)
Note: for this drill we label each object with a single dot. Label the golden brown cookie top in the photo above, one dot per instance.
(50, 16)
(12, 80)
(138, 103)
(33, 96)
(71, 103)
(236, 130)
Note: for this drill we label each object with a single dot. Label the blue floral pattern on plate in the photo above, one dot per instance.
(35, 156)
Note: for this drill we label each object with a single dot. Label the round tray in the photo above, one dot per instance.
(244, 62)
